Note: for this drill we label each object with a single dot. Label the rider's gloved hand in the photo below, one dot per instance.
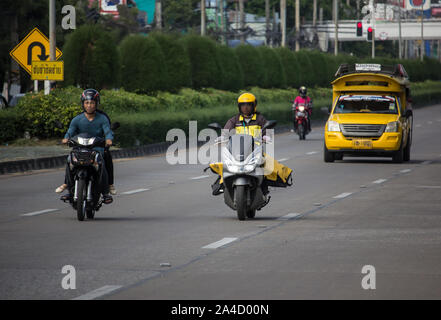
(266, 139)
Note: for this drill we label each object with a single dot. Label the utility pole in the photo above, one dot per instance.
(283, 21)
(52, 41)
(242, 22)
(202, 17)
(223, 40)
(335, 5)
(314, 13)
(372, 8)
(400, 51)
(267, 21)
(422, 34)
(158, 14)
(297, 24)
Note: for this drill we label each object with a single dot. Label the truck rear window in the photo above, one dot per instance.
(366, 104)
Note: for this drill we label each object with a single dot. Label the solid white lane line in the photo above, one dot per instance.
(343, 195)
(312, 152)
(289, 216)
(200, 177)
(379, 181)
(135, 191)
(283, 159)
(97, 293)
(36, 213)
(429, 187)
(406, 170)
(219, 243)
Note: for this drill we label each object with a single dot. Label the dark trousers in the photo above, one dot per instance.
(103, 178)
(109, 164)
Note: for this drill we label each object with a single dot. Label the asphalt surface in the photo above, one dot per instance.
(161, 240)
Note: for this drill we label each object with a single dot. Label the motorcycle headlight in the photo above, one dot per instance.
(333, 126)
(302, 108)
(234, 166)
(392, 127)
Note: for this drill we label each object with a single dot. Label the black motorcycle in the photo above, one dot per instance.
(87, 167)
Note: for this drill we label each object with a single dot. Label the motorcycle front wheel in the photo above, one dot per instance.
(241, 202)
(81, 202)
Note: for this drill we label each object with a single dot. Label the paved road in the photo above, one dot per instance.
(173, 240)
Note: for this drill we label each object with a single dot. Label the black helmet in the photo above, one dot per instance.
(90, 94)
(302, 91)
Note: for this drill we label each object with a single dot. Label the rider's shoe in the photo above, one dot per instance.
(107, 198)
(66, 197)
(61, 188)
(112, 189)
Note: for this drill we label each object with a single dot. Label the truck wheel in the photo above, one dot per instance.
(406, 156)
(398, 157)
(328, 156)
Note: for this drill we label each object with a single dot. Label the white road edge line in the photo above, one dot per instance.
(219, 243)
(430, 187)
(289, 216)
(200, 177)
(283, 159)
(36, 213)
(97, 293)
(135, 191)
(343, 195)
(379, 181)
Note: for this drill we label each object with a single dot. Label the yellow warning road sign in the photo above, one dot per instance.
(34, 47)
(47, 70)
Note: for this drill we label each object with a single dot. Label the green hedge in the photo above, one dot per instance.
(143, 67)
(252, 66)
(91, 59)
(275, 73)
(177, 61)
(12, 124)
(232, 74)
(204, 65)
(291, 67)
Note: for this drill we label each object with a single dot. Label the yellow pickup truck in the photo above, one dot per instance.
(371, 114)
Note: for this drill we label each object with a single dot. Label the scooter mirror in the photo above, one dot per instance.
(58, 124)
(269, 124)
(215, 126)
(115, 125)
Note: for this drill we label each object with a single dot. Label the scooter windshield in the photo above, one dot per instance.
(241, 146)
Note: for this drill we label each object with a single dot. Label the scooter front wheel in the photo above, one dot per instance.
(241, 202)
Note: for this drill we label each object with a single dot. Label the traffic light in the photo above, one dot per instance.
(359, 29)
(369, 33)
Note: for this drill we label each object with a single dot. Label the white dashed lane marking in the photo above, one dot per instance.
(97, 293)
(343, 195)
(219, 243)
(36, 213)
(135, 191)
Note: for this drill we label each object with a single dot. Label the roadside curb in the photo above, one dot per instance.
(8, 167)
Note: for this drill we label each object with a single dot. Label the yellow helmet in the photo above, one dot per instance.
(247, 98)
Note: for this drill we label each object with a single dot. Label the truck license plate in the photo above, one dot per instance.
(361, 144)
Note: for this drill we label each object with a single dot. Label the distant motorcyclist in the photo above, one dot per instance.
(302, 99)
(96, 124)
